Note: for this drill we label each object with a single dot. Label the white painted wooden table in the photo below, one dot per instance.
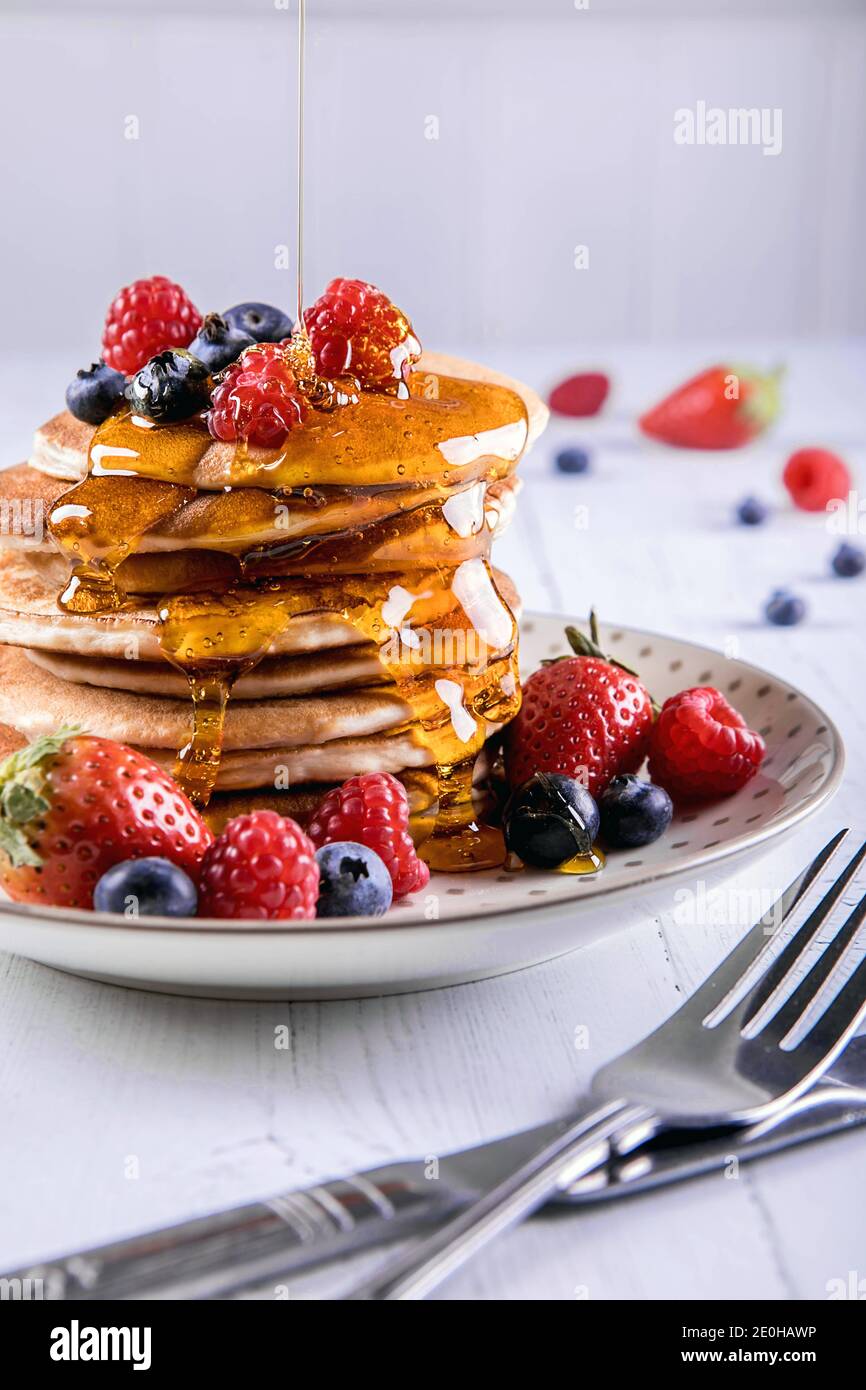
(124, 1110)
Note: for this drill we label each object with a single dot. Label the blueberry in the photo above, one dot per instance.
(171, 386)
(849, 561)
(785, 609)
(572, 460)
(94, 393)
(217, 343)
(354, 881)
(752, 512)
(151, 887)
(549, 820)
(633, 812)
(263, 322)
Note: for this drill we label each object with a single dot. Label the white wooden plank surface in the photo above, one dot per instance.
(123, 1110)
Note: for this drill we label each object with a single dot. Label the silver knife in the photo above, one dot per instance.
(218, 1255)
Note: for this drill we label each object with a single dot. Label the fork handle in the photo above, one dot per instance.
(582, 1146)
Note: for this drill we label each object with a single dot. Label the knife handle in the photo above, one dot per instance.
(230, 1250)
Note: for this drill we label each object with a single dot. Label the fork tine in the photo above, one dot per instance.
(779, 969)
(712, 998)
(788, 1016)
(833, 1028)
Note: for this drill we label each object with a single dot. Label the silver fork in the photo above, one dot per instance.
(729, 1055)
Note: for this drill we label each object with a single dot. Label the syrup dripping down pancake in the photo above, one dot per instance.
(29, 617)
(242, 520)
(401, 542)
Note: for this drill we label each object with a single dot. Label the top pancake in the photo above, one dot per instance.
(61, 445)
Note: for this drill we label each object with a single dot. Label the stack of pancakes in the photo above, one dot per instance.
(317, 709)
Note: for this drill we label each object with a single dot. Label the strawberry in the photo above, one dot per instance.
(721, 408)
(580, 395)
(583, 715)
(72, 806)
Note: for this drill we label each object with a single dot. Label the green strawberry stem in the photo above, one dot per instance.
(22, 793)
(581, 645)
(764, 400)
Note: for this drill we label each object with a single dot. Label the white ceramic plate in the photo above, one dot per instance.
(468, 926)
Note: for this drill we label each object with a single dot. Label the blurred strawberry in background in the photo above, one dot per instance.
(722, 408)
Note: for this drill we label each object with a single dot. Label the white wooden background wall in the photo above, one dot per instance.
(555, 129)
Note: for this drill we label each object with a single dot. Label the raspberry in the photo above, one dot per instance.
(144, 319)
(815, 478)
(701, 746)
(354, 327)
(263, 867)
(580, 395)
(258, 398)
(373, 810)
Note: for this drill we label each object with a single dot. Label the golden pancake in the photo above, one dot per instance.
(36, 701)
(245, 520)
(30, 617)
(61, 446)
(301, 801)
(271, 769)
(341, 668)
(333, 762)
(398, 543)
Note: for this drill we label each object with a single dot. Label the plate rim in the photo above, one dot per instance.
(213, 926)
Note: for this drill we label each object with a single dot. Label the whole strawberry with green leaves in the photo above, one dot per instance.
(72, 806)
(721, 408)
(585, 716)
